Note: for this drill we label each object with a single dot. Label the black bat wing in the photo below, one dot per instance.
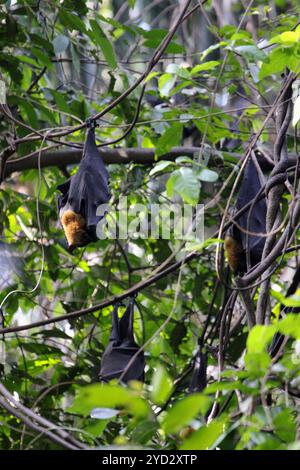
(88, 188)
(121, 349)
(199, 379)
(254, 220)
(64, 188)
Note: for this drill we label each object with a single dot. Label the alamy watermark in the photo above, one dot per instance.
(2, 353)
(2, 92)
(154, 221)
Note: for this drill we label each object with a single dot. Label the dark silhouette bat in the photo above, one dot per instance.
(121, 349)
(237, 241)
(82, 194)
(198, 378)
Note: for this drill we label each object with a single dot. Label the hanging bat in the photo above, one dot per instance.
(238, 242)
(199, 379)
(82, 194)
(121, 349)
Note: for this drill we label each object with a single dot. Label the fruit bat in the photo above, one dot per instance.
(198, 378)
(82, 194)
(239, 242)
(121, 349)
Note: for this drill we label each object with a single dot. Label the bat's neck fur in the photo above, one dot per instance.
(234, 252)
(74, 226)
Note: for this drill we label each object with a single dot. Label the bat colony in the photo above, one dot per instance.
(88, 188)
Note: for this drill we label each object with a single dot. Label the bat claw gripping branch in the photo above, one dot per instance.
(91, 123)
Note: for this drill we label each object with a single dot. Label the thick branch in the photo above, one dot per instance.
(63, 158)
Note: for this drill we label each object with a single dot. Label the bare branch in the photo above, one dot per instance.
(142, 156)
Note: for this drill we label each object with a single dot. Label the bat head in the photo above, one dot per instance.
(235, 253)
(74, 226)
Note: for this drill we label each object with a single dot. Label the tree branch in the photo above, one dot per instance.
(65, 157)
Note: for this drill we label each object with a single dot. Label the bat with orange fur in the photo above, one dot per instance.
(246, 236)
(82, 194)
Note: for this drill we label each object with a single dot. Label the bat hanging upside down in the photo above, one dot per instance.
(235, 254)
(246, 236)
(82, 195)
(74, 226)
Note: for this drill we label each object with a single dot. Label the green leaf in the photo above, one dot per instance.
(287, 37)
(60, 101)
(181, 160)
(275, 64)
(185, 183)
(201, 246)
(77, 5)
(46, 114)
(143, 431)
(53, 333)
(42, 43)
(108, 396)
(27, 60)
(107, 49)
(251, 53)
(41, 349)
(257, 363)
(165, 83)
(205, 437)
(42, 57)
(11, 64)
(160, 167)
(150, 76)
(212, 48)
(96, 428)
(71, 21)
(259, 337)
(285, 426)
(170, 138)
(28, 113)
(162, 386)
(175, 69)
(155, 33)
(28, 232)
(290, 325)
(278, 60)
(172, 48)
(235, 385)
(184, 411)
(291, 301)
(205, 66)
(208, 175)
(76, 62)
(40, 365)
